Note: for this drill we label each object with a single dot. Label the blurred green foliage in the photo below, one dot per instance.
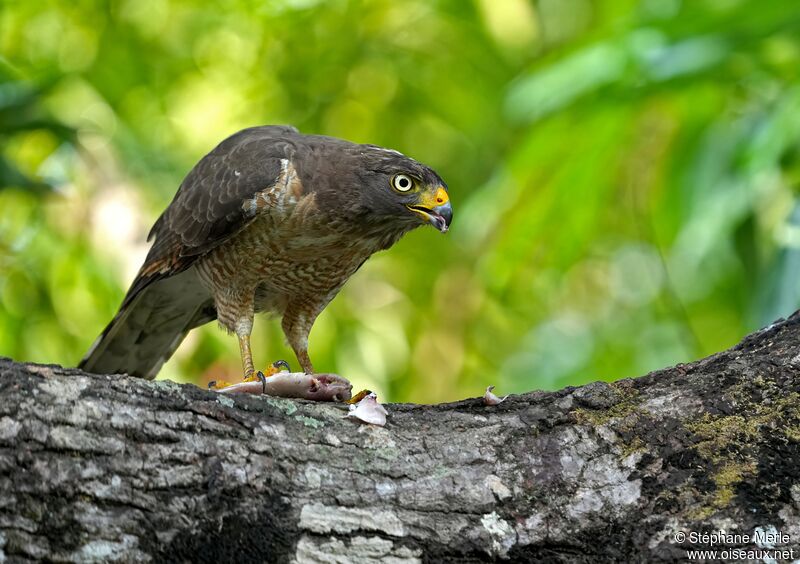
(624, 174)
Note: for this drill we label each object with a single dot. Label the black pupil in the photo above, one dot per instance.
(403, 182)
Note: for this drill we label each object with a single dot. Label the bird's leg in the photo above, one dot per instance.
(242, 327)
(304, 360)
(296, 326)
(235, 312)
(247, 356)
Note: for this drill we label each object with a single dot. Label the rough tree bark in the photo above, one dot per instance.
(114, 468)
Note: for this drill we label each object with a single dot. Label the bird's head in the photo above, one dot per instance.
(403, 192)
(427, 200)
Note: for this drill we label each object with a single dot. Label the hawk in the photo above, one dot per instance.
(271, 220)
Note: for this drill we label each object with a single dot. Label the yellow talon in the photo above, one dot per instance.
(274, 368)
(270, 370)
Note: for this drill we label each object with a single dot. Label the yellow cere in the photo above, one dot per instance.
(432, 199)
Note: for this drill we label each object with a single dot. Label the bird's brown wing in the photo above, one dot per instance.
(166, 300)
(211, 204)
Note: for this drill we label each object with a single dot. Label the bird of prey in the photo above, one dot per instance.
(271, 220)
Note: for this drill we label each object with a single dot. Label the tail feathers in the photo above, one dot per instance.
(150, 326)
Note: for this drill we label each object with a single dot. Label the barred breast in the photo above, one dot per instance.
(281, 260)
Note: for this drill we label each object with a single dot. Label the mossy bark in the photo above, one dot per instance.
(99, 468)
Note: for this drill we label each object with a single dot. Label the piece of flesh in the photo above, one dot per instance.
(317, 387)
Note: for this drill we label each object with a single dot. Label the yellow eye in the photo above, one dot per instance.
(402, 183)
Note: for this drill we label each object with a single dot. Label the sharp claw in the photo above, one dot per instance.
(279, 363)
(263, 380)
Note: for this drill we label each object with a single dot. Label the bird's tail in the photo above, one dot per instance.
(149, 326)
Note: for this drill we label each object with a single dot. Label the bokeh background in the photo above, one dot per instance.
(624, 174)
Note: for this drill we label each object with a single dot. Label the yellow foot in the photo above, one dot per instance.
(270, 370)
(221, 384)
(359, 396)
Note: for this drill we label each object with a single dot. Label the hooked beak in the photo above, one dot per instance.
(435, 209)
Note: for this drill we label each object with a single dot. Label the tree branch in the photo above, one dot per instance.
(101, 468)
